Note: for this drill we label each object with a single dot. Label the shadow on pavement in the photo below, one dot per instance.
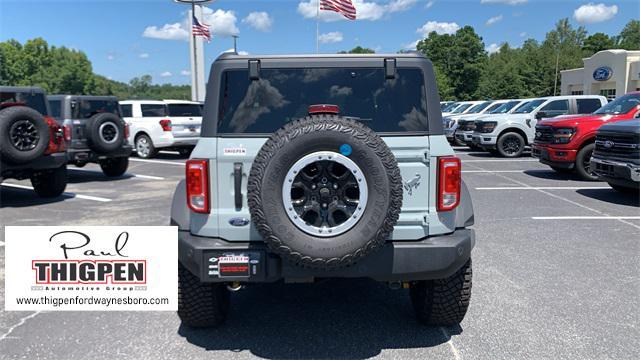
(553, 175)
(17, 198)
(330, 319)
(612, 196)
(78, 176)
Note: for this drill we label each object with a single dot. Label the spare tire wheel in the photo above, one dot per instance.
(24, 134)
(324, 191)
(106, 132)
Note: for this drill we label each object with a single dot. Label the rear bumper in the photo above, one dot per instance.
(21, 171)
(85, 155)
(562, 158)
(616, 172)
(168, 139)
(435, 257)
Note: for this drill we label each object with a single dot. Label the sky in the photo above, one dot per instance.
(125, 39)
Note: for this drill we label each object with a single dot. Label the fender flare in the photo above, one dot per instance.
(464, 212)
(180, 213)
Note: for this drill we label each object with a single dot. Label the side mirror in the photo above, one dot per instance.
(73, 104)
(541, 114)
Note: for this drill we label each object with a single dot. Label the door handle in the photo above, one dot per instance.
(237, 185)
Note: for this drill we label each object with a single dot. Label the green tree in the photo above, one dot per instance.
(597, 42)
(561, 50)
(358, 50)
(629, 37)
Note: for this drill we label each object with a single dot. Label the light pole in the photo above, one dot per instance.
(195, 85)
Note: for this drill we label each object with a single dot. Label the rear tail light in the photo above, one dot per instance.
(126, 130)
(323, 109)
(198, 186)
(67, 132)
(166, 125)
(449, 179)
(56, 136)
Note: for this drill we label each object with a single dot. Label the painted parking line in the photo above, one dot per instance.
(493, 171)
(586, 217)
(544, 188)
(67, 194)
(134, 175)
(158, 161)
(1, 243)
(497, 160)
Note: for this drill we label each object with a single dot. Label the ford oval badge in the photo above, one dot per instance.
(603, 73)
(239, 222)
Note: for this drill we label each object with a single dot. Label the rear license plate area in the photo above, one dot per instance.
(235, 265)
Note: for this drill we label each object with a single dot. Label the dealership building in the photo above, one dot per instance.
(609, 73)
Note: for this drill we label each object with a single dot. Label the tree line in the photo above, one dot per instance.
(60, 70)
(464, 70)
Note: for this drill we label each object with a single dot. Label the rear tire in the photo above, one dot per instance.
(443, 301)
(24, 134)
(201, 304)
(583, 166)
(114, 166)
(50, 183)
(144, 147)
(510, 145)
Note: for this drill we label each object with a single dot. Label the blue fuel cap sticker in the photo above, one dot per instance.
(345, 149)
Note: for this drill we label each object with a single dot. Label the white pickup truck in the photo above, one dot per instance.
(509, 134)
(167, 125)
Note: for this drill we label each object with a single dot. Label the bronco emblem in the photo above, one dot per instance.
(412, 184)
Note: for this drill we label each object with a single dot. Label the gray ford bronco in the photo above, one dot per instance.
(330, 166)
(95, 131)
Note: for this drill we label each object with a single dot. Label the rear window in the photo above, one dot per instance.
(282, 95)
(185, 110)
(153, 110)
(85, 109)
(34, 100)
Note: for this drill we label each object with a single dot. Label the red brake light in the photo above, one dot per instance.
(198, 186)
(324, 109)
(449, 179)
(126, 130)
(166, 124)
(67, 132)
(56, 136)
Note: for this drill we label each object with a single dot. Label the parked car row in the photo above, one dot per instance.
(577, 133)
(40, 135)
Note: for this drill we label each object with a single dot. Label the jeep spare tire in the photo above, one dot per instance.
(106, 132)
(324, 191)
(24, 134)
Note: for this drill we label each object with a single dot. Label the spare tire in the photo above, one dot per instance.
(105, 132)
(324, 192)
(24, 134)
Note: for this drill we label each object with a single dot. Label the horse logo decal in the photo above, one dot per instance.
(412, 184)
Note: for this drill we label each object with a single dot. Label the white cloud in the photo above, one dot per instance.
(259, 20)
(429, 4)
(439, 27)
(594, 13)
(508, 2)
(493, 20)
(185, 72)
(167, 32)
(221, 23)
(330, 37)
(411, 46)
(111, 57)
(523, 34)
(166, 74)
(364, 10)
(493, 48)
(143, 56)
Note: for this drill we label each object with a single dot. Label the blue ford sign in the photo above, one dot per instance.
(603, 73)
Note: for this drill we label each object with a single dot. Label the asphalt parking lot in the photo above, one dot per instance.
(556, 276)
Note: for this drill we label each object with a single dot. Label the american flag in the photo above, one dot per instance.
(200, 29)
(344, 7)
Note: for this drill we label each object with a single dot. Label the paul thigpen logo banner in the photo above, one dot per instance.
(91, 268)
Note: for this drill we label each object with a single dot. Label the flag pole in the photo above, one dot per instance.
(318, 28)
(195, 50)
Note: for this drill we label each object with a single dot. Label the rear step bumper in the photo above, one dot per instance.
(434, 257)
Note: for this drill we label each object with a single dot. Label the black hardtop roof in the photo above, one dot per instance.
(82, 97)
(408, 55)
(33, 89)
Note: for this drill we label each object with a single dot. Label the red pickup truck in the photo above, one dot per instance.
(566, 143)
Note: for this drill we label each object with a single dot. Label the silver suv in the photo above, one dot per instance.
(323, 167)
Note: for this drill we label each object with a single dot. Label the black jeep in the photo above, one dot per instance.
(31, 142)
(96, 130)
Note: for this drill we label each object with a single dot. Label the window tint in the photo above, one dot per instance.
(184, 110)
(85, 109)
(557, 105)
(504, 108)
(461, 108)
(528, 106)
(34, 100)
(587, 106)
(621, 105)
(477, 108)
(126, 110)
(56, 108)
(153, 110)
(282, 95)
(493, 107)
